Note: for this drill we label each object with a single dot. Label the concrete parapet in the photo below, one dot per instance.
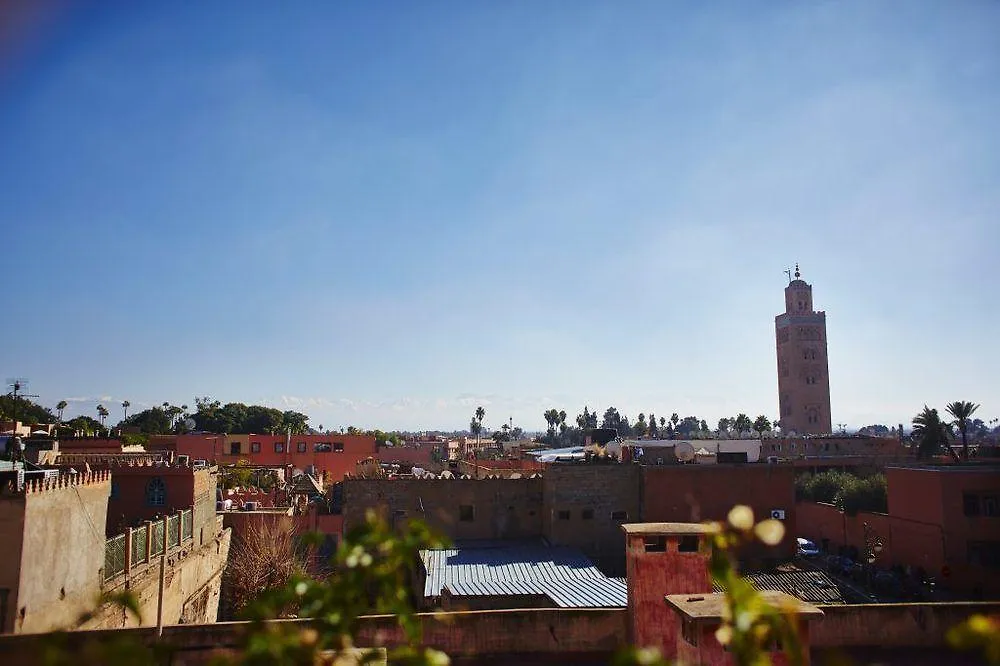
(36, 486)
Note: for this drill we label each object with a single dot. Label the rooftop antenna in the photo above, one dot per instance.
(788, 272)
(17, 384)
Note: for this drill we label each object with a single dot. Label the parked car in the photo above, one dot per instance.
(806, 548)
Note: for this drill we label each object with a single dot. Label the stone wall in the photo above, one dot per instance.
(192, 582)
(585, 506)
(501, 508)
(590, 635)
(11, 536)
(892, 625)
(62, 555)
(695, 493)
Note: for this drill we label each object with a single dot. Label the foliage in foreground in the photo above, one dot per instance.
(750, 624)
(979, 633)
(371, 574)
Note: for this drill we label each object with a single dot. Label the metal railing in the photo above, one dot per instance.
(157, 542)
(140, 545)
(187, 524)
(173, 531)
(114, 557)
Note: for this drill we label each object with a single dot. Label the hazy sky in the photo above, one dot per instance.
(387, 213)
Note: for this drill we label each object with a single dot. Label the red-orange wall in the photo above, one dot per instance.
(650, 577)
(87, 445)
(335, 463)
(128, 504)
(694, 493)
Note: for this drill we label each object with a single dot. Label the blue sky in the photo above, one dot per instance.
(387, 213)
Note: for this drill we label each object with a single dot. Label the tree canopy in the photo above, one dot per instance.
(931, 433)
(238, 418)
(25, 410)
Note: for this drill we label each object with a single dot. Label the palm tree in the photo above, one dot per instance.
(480, 415)
(962, 410)
(125, 406)
(102, 413)
(761, 424)
(60, 406)
(931, 433)
(742, 424)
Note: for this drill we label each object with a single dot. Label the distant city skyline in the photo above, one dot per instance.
(388, 216)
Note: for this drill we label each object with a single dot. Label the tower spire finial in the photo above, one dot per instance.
(797, 274)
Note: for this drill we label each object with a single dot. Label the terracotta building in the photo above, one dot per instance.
(671, 605)
(582, 505)
(943, 519)
(803, 371)
(331, 456)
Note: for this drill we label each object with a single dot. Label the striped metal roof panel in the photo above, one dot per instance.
(587, 592)
(467, 569)
(564, 593)
(814, 587)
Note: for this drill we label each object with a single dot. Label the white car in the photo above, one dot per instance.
(806, 548)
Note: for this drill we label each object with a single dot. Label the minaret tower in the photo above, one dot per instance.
(803, 372)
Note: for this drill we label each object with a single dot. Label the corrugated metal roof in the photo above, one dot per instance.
(812, 586)
(587, 592)
(565, 593)
(563, 574)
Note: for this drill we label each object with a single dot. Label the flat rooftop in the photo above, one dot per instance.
(957, 468)
(667, 528)
(708, 607)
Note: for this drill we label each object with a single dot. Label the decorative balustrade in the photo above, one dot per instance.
(140, 545)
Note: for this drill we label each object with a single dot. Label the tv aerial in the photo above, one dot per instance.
(16, 384)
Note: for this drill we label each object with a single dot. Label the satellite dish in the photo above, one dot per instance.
(189, 423)
(684, 451)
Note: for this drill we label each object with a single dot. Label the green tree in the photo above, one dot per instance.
(961, 411)
(153, 421)
(125, 406)
(653, 432)
(24, 409)
(612, 419)
(640, 428)
(102, 414)
(723, 426)
(931, 434)
(761, 425)
(84, 424)
(674, 418)
(742, 424)
(60, 406)
(297, 422)
(480, 415)
(551, 417)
